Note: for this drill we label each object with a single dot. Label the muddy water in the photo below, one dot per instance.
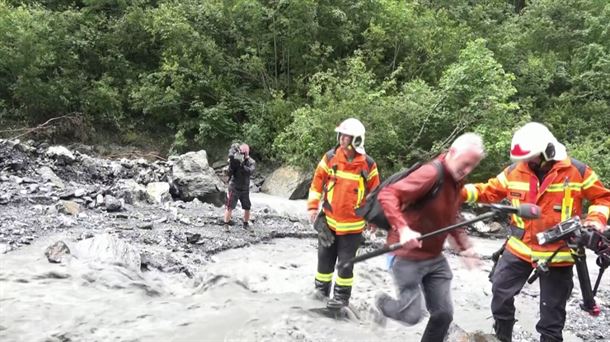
(256, 293)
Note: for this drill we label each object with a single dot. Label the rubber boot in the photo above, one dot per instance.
(322, 290)
(340, 298)
(504, 330)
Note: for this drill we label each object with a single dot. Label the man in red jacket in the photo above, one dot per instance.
(420, 265)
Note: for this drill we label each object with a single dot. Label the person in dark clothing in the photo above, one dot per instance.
(241, 167)
(420, 270)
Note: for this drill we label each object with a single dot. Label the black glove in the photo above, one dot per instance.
(325, 236)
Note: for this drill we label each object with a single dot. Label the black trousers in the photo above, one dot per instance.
(555, 289)
(343, 248)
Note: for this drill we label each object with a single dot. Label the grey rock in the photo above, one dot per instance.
(69, 207)
(457, 334)
(62, 155)
(29, 180)
(112, 204)
(67, 221)
(48, 175)
(146, 226)
(33, 188)
(99, 200)
(57, 252)
(68, 194)
(192, 238)
(288, 182)
(191, 177)
(158, 192)
(116, 169)
(129, 190)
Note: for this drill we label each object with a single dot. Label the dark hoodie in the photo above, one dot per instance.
(240, 172)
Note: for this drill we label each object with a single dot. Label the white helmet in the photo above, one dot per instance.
(533, 139)
(355, 128)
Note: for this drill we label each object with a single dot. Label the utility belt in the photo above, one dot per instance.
(513, 231)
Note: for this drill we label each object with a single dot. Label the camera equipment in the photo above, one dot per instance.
(561, 231)
(239, 157)
(235, 153)
(578, 238)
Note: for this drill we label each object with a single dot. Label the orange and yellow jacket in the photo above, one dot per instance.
(344, 184)
(560, 197)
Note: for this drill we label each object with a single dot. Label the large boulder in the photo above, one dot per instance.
(288, 182)
(109, 249)
(192, 177)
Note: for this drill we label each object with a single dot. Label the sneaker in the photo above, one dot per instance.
(380, 299)
(377, 315)
(246, 225)
(221, 221)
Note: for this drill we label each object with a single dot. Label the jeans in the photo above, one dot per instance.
(419, 281)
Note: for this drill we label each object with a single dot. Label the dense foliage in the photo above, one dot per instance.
(281, 74)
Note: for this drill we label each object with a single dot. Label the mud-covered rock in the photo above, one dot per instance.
(57, 252)
(107, 248)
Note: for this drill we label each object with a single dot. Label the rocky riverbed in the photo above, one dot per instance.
(131, 250)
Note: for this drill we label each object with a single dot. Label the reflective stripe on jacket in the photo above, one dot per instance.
(346, 184)
(563, 189)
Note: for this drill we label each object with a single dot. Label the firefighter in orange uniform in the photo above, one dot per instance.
(544, 175)
(342, 179)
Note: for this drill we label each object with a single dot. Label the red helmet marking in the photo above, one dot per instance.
(517, 151)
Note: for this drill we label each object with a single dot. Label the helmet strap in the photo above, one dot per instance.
(549, 152)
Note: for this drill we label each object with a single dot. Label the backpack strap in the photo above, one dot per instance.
(438, 184)
(330, 154)
(365, 173)
(369, 162)
(580, 166)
